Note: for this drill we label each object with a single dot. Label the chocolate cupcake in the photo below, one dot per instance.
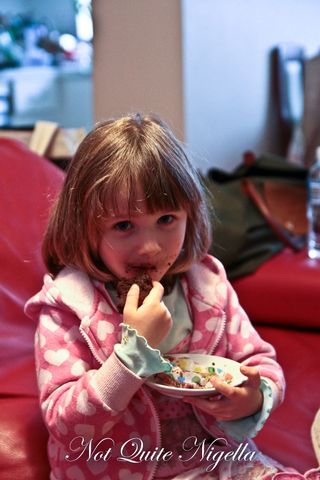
(123, 286)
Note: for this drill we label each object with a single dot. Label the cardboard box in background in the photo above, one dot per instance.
(48, 139)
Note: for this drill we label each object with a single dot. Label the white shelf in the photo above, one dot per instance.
(59, 94)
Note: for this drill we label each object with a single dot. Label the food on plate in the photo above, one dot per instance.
(187, 373)
(123, 286)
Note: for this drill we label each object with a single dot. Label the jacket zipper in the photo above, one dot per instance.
(158, 430)
(91, 348)
(218, 338)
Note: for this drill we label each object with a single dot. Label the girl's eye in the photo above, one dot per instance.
(124, 226)
(166, 219)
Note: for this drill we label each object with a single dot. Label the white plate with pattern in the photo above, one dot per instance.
(191, 375)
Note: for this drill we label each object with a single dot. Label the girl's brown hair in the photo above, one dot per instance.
(128, 153)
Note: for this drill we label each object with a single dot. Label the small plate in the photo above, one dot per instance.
(228, 371)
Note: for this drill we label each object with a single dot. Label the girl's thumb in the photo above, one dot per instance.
(252, 373)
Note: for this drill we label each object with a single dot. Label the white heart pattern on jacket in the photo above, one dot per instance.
(79, 367)
(51, 323)
(56, 357)
(83, 406)
(44, 377)
(104, 328)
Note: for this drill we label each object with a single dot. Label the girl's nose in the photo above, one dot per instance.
(149, 246)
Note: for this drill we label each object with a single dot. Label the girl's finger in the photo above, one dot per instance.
(223, 388)
(132, 299)
(209, 405)
(156, 293)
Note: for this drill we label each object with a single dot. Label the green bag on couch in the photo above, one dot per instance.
(256, 210)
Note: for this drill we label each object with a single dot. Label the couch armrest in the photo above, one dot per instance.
(284, 291)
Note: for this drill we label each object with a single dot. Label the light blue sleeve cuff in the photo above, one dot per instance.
(248, 427)
(138, 356)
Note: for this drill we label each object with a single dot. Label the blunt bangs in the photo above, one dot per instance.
(156, 195)
(155, 179)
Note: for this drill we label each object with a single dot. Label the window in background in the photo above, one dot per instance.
(49, 68)
(84, 26)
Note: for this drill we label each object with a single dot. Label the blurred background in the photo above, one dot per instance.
(46, 62)
(209, 67)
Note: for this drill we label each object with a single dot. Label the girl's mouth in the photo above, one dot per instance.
(140, 268)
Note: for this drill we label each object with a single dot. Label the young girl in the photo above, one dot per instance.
(132, 202)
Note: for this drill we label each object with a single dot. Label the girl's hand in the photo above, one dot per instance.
(152, 319)
(234, 402)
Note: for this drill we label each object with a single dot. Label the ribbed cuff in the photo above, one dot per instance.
(115, 383)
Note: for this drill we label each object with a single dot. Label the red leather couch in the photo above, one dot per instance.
(27, 186)
(283, 300)
(282, 297)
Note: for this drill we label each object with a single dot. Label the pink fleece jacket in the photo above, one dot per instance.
(92, 404)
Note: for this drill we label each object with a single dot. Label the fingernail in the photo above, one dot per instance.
(134, 288)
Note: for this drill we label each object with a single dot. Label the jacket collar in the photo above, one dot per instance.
(204, 286)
